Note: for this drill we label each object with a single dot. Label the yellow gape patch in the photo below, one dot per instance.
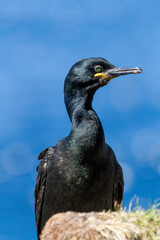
(102, 75)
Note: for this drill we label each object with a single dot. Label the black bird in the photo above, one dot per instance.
(81, 172)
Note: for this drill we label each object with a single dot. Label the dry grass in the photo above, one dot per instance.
(121, 225)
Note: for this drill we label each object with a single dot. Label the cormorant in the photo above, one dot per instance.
(81, 172)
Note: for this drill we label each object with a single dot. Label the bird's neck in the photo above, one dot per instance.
(77, 101)
(87, 136)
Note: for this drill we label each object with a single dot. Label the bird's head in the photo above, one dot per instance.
(87, 75)
(93, 73)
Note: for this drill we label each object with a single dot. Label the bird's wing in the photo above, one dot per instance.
(118, 187)
(42, 170)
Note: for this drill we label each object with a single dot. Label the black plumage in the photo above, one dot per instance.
(81, 172)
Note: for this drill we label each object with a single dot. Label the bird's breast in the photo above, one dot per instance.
(70, 184)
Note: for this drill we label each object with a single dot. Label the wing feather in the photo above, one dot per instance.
(118, 188)
(42, 170)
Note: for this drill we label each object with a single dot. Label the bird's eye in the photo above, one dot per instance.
(98, 69)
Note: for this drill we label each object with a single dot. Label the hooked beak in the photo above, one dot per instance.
(116, 72)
